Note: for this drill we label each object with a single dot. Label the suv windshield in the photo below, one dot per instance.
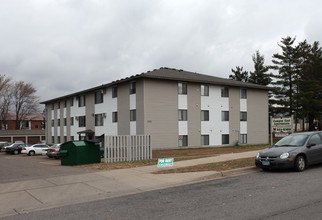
(292, 140)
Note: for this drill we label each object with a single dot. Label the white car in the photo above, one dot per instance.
(35, 149)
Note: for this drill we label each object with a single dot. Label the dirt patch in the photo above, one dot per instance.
(182, 154)
(220, 166)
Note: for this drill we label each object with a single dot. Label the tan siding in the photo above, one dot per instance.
(194, 123)
(48, 124)
(140, 107)
(257, 120)
(234, 115)
(89, 111)
(61, 116)
(68, 126)
(161, 112)
(123, 109)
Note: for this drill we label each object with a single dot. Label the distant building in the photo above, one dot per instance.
(177, 108)
(30, 130)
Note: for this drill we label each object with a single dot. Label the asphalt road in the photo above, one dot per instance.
(261, 195)
(22, 167)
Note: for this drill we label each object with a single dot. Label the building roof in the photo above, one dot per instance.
(170, 74)
(31, 117)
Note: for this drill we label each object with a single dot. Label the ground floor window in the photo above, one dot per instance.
(243, 138)
(225, 139)
(183, 140)
(204, 139)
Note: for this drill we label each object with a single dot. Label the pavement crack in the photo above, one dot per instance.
(34, 197)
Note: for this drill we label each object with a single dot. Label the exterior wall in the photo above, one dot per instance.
(257, 106)
(27, 136)
(123, 107)
(140, 111)
(234, 115)
(161, 112)
(215, 104)
(89, 111)
(194, 124)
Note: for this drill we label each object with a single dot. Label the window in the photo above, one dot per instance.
(243, 138)
(132, 88)
(72, 102)
(114, 92)
(243, 93)
(114, 116)
(315, 139)
(81, 121)
(225, 116)
(52, 139)
(204, 115)
(72, 121)
(58, 139)
(224, 92)
(182, 88)
(183, 140)
(58, 122)
(99, 97)
(65, 121)
(99, 120)
(36, 126)
(243, 116)
(24, 124)
(204, 90)
(225, 139)
(183, 115)
(133, 115)
(65, 103)
(52, 123)
(52, 106)
(81, 101)
(58, 105)
(205, 139)
(65, 138)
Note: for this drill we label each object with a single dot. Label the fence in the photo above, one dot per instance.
(127, 148)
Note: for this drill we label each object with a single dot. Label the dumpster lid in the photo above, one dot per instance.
(88, 131)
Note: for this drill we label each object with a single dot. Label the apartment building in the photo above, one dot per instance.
(177, 108)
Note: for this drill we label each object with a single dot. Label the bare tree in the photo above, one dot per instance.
(24, 101)
(5, 99)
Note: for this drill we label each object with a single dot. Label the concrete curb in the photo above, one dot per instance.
(234, 172)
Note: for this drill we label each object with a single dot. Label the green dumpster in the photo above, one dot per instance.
(79, 152)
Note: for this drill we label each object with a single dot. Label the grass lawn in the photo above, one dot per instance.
(186, 154)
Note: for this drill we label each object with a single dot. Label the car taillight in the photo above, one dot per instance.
(53, 150)
(24, 148)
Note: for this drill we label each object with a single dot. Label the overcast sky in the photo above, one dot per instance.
(64, 46)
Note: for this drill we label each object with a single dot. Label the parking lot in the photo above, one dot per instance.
(22, 167)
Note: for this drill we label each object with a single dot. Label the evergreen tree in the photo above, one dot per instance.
(260, 75)
(309, 98)
(286, 80)
(239, 74)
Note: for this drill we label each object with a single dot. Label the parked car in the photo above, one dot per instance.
(4, 144)
(296, 151)
(53, 151)
(15, 148)
(35, 149)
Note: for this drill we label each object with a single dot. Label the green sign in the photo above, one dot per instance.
(165, 162)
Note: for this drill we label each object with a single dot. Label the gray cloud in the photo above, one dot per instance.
(65, 46)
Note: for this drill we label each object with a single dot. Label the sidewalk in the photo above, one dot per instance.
(32, 195)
